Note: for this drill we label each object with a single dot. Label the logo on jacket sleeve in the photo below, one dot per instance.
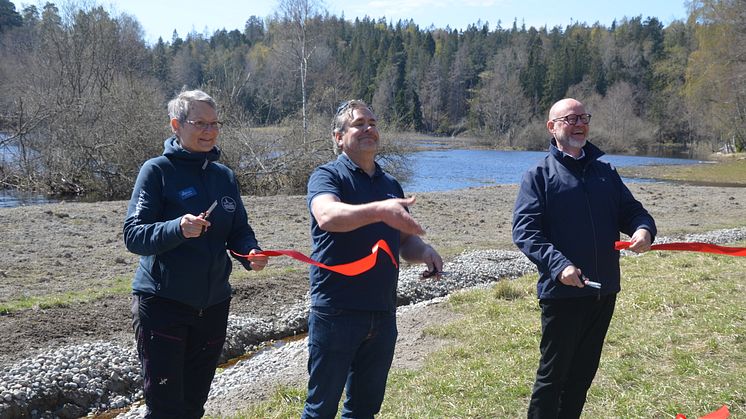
(228, 203)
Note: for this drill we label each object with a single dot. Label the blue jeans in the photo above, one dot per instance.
(352, 350)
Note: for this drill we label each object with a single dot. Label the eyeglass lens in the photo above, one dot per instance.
(205, 125)
(573, 119)
(342, 106)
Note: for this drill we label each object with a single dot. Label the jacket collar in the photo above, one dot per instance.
(173, 150)
(591, 152)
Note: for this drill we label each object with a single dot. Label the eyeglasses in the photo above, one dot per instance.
(204, 126)
(342, 106)
(352, 103)
(573, 119)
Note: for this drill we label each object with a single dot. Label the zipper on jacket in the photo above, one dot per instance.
(593, 227)
(203, 177)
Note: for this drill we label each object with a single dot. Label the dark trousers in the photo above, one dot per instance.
(572, 337)
(179, 348)
(352, 350)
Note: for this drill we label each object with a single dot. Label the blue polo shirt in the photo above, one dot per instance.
(374, 290)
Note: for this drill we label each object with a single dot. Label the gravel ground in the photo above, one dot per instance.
(57, 249)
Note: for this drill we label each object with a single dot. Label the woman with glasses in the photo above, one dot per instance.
(185, 212)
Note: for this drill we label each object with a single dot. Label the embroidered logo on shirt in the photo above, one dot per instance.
(187, 193)
(390, 195)
(228, 203)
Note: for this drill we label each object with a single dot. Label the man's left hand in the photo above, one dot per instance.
(433, 261)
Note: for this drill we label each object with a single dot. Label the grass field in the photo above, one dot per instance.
(677, 344)
(729, 170)
(118, 286)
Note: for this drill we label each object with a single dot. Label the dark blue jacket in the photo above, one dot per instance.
(570, 212)
(374, 290)
(192, 271)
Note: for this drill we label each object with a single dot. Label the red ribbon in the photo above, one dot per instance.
(349, 269)
(721, 413)
(691, 247)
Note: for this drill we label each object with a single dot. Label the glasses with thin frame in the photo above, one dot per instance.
(573, 119)
(357, 103)
(204, 126)
(343, 106)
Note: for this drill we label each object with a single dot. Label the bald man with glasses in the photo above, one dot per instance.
(569, 211)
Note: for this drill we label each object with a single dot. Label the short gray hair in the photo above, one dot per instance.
(178, 107)
(342, 118)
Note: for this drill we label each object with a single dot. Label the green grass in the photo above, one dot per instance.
(240, 274)
(727, 171)
(118, 286)
(677, 344)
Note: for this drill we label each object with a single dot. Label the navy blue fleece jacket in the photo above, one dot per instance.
(570, 212)
(192, 271)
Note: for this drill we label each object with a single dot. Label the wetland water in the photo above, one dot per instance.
(439, 170)
(443, 170)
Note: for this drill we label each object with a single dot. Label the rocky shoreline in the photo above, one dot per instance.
(65, 274)
(95, 377)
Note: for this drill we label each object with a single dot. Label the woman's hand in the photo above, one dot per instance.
(258, 262)
(193, 226)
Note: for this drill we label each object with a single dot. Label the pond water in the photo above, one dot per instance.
(443, 170)
(12, 198)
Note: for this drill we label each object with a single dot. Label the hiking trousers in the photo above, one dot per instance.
(179, 347)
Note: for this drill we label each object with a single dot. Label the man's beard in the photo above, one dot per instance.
(576, 143)
(569, 141)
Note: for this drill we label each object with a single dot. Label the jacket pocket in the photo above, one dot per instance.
(158, 272)
(163, 276)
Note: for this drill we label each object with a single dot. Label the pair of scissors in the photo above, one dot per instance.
(588, 282)
(208, 212)
(434, 272)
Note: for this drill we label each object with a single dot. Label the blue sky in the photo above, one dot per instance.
(160, 18)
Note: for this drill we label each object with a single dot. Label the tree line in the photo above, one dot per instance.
(83, 94)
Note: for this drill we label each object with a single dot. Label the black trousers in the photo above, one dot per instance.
(179, 348)
(572, 337)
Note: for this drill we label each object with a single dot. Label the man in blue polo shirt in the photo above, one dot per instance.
(352, 324)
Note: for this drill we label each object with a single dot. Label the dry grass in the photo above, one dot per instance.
(728, 171)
